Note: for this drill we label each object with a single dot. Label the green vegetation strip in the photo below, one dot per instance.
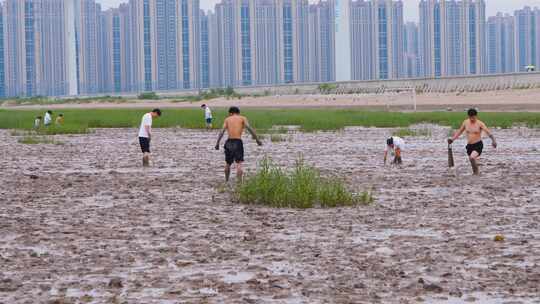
(302, 187)
(80, 120)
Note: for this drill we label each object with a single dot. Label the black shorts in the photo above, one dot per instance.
(478, 147)
(234, 151)
(145, 144)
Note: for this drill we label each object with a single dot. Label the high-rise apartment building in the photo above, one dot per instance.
(88, 39)
(205, 52)
(267, 69)
(166, 44)
(411, 60)
(39, 45)
(500, 44)
(2, 62)
(527, 38)
(452, 37)
(377, 39)
(293, 39)
(322, 66)
(115, 54)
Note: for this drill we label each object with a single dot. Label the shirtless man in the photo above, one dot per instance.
(474, 128)
(234, 148)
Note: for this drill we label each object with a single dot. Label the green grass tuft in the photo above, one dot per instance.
(309, 120)
(302, 187)
(148, 96)
(277, 138)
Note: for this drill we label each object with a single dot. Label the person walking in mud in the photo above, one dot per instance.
(145, 134)
(207, 116)
(474, 128)
(234, 125)
(396, 145)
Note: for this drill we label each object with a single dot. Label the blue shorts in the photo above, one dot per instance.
(209, 120)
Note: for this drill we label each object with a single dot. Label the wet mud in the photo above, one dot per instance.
(83, 222)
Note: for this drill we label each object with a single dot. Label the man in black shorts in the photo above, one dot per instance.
(474, 129)
(145, 134)
(234, 147)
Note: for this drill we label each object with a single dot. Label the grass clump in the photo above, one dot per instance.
(308, 120)
(148, 96)
(302, 187)
(277, 138)
(36, 140)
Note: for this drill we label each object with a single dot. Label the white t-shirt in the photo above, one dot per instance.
(47, 120)
(146, 121)
(398, 143)
(207, 113)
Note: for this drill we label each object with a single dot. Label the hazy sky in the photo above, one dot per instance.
(411, 6)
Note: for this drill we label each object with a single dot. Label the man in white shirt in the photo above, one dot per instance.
(145, 134)
(207, 116)
(47, 120)
(396, 144)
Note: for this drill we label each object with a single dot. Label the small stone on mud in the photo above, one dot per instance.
(33, 176)
(499, 238)
(116, 283)
(433, 288)
(471, 299)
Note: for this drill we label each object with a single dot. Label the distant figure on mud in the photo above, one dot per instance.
(145, 134)
(60, 120)
(37, 122)
(207, 116)
(396, 144)
(47, 120)
(474, 128)
(234, 147)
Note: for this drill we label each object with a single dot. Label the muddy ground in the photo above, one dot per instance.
(84, 223)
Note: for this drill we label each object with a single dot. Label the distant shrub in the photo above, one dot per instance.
(148, 96)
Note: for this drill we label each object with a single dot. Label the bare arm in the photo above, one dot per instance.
(457, 134)
(488, 132)
(221, 134)
(252, 132)
(148, 131)
(385, 155)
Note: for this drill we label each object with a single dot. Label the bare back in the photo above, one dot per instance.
(473, 130)
(235, 125)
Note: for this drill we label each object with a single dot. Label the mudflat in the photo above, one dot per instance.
(83, 222)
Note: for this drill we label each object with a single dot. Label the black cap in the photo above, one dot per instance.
(390, 141)
(203, 105)
(157, 111)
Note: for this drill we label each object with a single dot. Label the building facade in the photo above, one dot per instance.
(452, 37)
(500, 44)
(411, 59)
(377, 39)
(322, 43)
(527, 38)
